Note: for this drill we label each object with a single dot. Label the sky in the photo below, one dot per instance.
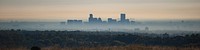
(80, 9)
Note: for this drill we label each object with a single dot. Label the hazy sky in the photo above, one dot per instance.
(79, 9)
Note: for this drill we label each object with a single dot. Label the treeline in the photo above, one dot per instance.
(23, 38)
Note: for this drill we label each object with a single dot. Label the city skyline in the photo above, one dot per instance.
(78, 9)
(93, 20)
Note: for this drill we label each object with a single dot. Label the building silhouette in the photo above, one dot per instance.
(122, 17)
(74, 22)
(93, 20)
(112, 21)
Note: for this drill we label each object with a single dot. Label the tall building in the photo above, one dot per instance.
(94, 20)
(122, 17)
(91, 18)
(91, 15)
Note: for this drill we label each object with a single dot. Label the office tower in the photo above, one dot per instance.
(91, 15)
(91, 18)
(94, 20)
(123, 17)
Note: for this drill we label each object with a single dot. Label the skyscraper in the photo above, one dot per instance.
(123, 17)
(94, 20)
(91, 17)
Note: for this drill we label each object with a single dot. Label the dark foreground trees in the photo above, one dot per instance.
(22, 38)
